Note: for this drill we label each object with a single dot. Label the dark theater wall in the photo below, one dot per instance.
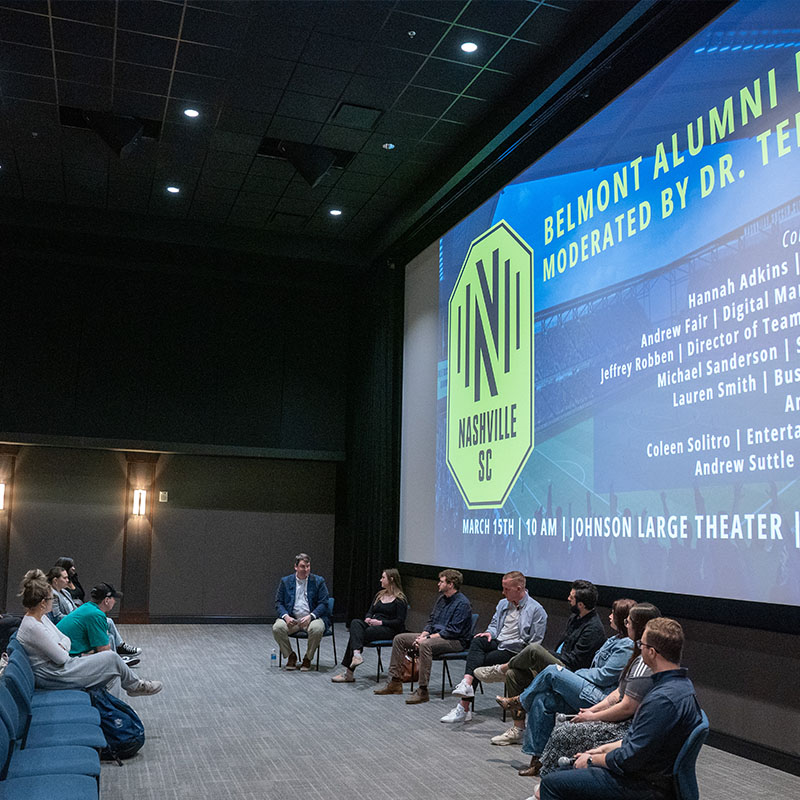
(227, 534)
(142, 354)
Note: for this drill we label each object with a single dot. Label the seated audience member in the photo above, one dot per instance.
(639, 766)
(384, 620)
(518, 621)
(609, 719)
(49, 649)
(448, 631)
(582, 638)
(302, 605)
(558, 690)
(73, 586)
(63, 604)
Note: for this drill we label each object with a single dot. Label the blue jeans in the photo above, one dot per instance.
(595, 783)
(553, 691)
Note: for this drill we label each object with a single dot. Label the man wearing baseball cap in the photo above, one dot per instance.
(87, 626)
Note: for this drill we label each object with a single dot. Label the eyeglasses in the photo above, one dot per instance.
(627, 621)
(640, 644)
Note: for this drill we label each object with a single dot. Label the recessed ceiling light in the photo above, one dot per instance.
(335, 212)
(191, 112)
(469, 47)
(387, 146)
(173, 189)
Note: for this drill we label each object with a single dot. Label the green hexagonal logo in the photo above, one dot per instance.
(490, 367)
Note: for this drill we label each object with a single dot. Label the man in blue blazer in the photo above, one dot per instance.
(302, 604)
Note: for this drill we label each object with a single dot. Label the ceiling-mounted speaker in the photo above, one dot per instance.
(311, 161)
(121, 134)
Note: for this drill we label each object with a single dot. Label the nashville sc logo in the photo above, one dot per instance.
(490, 367)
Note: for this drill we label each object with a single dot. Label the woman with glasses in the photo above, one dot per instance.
(607, 720)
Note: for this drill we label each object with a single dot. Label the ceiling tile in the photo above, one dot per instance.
(372, 165)
(318, 80)
(427, 102)
(233, 162)
(490, 85)
(293, 129)
(450, 47)
(390, 64)
(256, 200)
(306, 106)
(265, 185)
(136, 104)
(445, 75)
(265, 39)
(352, 19)
(161, 19)
(342, 138)
(292, 205)
(399, 125)
(211, 27)
(197, 88)
(138, 48)
(547, 25)
(330, 51)
(82, 95)
(28, 87)
(467, 110)
(24, 28)
(444, 132)
(222, 178)
(517, 57)
(77, 37)
(358, 182)
(98, 12)
(242, 121)
(215, 62)
(83, 69)
(44, 191)
(34, 169)
(235, 142)
(249, 215)
(272, 168)
(23, 58)
(138, 78)
(86, 178)
(447, 10)
(208, 193)
(399, 27)
(484, 14)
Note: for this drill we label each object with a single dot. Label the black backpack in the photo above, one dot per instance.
(121, 726)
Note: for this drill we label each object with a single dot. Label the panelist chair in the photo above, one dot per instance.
(303, 635)
(684, 776)
(446, 658)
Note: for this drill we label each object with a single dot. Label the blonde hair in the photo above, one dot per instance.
(34, 588)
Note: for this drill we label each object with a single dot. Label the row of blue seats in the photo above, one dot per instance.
(34, 726)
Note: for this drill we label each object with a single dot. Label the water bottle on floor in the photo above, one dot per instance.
(273, 658)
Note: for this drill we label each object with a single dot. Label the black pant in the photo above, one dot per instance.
(361, 633)
(483, 653)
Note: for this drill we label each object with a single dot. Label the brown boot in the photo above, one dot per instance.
(392, 687)
(419, 695)
(508, 703)
(291, 662)
(533, 770)
(306, 665)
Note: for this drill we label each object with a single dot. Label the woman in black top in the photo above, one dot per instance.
(384, 620)
(74, 586)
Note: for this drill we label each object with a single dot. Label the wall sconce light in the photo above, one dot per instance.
(2, 496)
(139, 502)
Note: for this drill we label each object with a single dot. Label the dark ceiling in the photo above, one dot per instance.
(270, 78)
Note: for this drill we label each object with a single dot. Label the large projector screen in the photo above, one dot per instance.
(618, 339)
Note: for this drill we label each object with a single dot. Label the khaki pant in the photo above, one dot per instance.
(428, 648)
(525, 666)
(281, 631)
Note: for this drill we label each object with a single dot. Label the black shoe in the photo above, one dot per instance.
(127, 650)
(131, 661)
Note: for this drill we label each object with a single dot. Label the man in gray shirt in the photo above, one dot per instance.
(518, 621)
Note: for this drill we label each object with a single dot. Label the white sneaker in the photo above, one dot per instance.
(463, 690)
(457, 715)
(144, 687)
(492, 674)
(512, 736)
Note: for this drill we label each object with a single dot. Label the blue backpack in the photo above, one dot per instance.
(121, 726)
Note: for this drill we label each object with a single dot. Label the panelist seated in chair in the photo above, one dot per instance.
(384, 620)
(449, 630)
(49, 649)
(302, 605)
(518, 621)
(640, 765)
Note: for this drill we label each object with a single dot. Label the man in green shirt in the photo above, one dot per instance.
(87, 626)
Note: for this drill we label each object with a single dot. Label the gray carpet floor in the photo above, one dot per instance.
(226, 725)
